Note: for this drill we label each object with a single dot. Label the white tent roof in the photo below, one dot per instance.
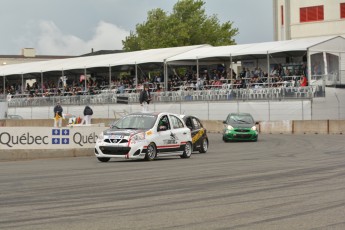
(251, 49)
(282, 46)
(333, 43)
(207, 52)
(118, 59)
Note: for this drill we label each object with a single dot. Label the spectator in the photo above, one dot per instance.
(87, 115)
(303, 81)
(58, 115)
(145, 98)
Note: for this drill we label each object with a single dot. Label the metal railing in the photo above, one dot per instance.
(221, 94)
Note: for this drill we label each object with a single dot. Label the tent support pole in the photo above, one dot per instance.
(85, 79)
(41, 82)
(136, 76)
(231, 68)
(62, 73)
(23, 87)
(339, 70)
(309, 65)
(109, 77)
(268, 70)
(165, 69)
(197, 67)
(4, 78)
(325, 63)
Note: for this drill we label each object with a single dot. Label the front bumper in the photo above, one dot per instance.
(134, 151)
(242, 135)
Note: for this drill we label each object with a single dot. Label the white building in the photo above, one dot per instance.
(308, 18)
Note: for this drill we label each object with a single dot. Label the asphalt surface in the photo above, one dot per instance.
(279, 182)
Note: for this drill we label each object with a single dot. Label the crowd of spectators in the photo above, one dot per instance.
(207, 79)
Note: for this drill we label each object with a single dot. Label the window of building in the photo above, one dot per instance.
(310, 14)
(342, 10)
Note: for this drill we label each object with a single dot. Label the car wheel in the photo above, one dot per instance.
(187, 150)
(103, 159)
(151, 152)
(204, 146)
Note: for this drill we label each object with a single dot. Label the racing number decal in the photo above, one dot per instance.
(197, 136)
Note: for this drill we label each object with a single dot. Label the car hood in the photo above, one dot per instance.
(122, 132)
(241, 125)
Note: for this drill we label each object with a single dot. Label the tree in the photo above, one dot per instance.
(186, 25)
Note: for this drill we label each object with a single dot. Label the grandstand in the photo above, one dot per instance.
(273, 72)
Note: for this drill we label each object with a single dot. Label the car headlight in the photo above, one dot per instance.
(100, 137)
(229, 127)
(253, 128)
(138, 137)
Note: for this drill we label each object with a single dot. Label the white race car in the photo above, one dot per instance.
(145, 136)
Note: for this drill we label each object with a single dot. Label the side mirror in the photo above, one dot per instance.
(257, 123)
(224, 122)
(190, 127)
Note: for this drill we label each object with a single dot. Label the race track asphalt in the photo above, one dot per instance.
(280, 182)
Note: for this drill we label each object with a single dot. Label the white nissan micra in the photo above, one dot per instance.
(145, 136)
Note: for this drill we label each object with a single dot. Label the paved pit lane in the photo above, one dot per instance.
(279, 182)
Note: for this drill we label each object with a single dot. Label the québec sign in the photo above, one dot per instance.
(48, 138)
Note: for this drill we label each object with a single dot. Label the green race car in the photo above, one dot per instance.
(240, 127)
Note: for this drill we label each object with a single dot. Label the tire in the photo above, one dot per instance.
(204, 146)
(151, 152)
(188, 149)
(103, 159)
(224, 139)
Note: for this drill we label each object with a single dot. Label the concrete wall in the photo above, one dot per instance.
(3, 109)
(310, 127)
(216, 126)
(47, 122)
(27, 154)
(276, 127)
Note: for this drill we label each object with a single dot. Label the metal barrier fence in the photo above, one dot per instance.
(222, 94)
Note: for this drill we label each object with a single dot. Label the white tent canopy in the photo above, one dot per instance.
(174, 54)
(118, 59)
(258, 48)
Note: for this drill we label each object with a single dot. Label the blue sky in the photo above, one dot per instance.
(74, 27)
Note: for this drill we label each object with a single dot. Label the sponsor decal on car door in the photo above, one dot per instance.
(167, 140)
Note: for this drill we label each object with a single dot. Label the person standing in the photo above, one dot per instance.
(58, 115)
(303, 81)
(145, 98)
(87, 115)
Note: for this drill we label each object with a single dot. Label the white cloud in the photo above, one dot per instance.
(52, 41)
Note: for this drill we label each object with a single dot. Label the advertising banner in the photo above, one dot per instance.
(49, 138)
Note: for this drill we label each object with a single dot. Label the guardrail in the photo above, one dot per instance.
(222, 94)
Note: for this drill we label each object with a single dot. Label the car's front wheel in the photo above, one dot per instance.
(204, 146)
(187, 150)
(151, 152)
(103, 159)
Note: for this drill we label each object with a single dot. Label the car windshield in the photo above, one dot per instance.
(135, 121)
(240, 119)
